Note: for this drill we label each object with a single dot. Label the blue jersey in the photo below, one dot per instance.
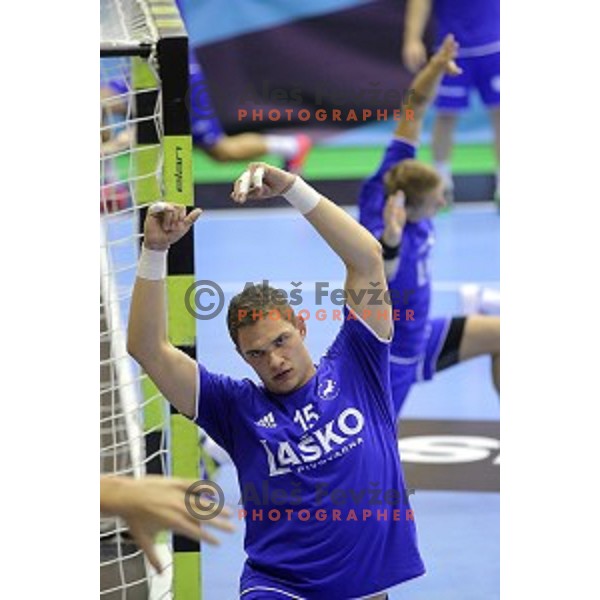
(411, 287)
(474, 23)
(300, 457)
(206, 127)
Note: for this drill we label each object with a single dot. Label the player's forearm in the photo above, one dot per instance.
(147, 330)
(424, 87)
(390, 268)
(113, 494)
(354, 244)
(392, 236)
(417, 14)
(390, 242)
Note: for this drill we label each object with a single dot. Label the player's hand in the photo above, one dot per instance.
(446, 55)
(166, 224)
(116, 143)
(260, 181)
(414, 55)
(152, 504)
(394, 217)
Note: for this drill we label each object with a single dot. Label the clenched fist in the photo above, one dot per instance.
(414, 55)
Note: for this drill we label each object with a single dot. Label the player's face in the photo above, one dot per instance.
(275, 350)
(431, 203)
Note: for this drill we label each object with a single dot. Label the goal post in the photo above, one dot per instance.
(144, 58)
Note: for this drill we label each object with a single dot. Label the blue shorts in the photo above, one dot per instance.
(267, 594)
(206, 127)
(258, 586)
(480, 72)
(442, 339)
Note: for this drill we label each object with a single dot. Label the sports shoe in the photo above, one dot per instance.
(449, 197)
(296, 163)
(478, 300)
(470, 294)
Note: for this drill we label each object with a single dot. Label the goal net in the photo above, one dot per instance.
(145, 156)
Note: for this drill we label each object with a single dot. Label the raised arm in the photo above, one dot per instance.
(359, 250)
(424, 87)
(414, 53)
(394, 218)
(172, 370)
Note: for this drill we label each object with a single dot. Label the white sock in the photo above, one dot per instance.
(489, 302)
(286, 146)
(445, 170)
(478, 300)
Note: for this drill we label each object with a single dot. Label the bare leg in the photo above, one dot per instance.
(482, 336)
(245, 146)
(443, 131)
(495, 119)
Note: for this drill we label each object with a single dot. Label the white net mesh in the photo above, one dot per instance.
(125, 167)
(129, 441)
(125, 23)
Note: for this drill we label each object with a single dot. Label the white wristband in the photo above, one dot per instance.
(153, 264)
(302, 196)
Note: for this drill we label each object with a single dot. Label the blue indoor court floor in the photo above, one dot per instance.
(458, 524)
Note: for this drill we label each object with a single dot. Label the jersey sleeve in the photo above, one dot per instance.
(372, 195)
(365, 358)
(218, 405)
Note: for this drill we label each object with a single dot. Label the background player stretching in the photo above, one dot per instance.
(397, 204)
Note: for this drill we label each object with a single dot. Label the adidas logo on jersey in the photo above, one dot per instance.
(267, 421)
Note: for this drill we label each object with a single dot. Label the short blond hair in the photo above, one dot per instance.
(414, 178)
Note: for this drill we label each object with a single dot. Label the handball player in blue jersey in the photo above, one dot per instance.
(208, 133)
(327, 516)
(476, 26)
(397, 205)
